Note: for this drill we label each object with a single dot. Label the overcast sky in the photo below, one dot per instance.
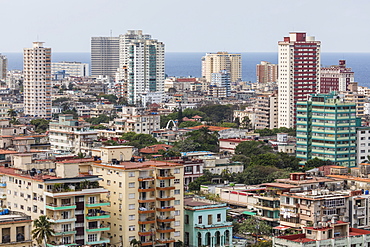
(186, 25)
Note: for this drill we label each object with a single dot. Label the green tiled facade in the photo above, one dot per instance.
(326, 129)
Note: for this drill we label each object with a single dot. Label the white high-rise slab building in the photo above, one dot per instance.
(36, 84)
(141, 65)
(3, 67)
(299, 74)
(104, 56)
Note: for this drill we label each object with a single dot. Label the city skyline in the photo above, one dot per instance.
(243, 28)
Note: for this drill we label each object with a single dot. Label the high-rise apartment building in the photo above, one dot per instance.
(336, 78)
(215, 62)
(266, 109)
(299, 67)
(141, 59)
(266, 72)
(104, 56)
(3, 67)
(36, 84)
(326, 129)
(148, 200)
(222, 79)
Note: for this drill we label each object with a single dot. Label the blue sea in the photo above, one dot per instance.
(186, 64)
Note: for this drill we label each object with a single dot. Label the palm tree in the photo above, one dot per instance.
(12, 113)
(42, 229)
(367, 161)
(135, 243)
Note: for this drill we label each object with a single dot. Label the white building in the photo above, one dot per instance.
(143, 58)
(104, 56)
(299, 67)
(76, 69)
(68, 135)
(215, 62)
(3, 67)
(362, 143)
(36, 84)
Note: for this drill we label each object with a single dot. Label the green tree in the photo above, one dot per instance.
(60, 100)
(228, 125)
(42, 230)
(255, 174)
(41, 125)
(187, 124)
(110, 97)
(135, 243)
(12, 113)
(218, 113)
(256, 227)
(206, 178)
(246, 123)
(139, 140)
(72, 111)
(97, 120)
(250, 148)
(316, 162)
(278, 160)
(199, 140)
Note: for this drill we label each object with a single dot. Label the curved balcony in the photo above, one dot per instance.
(150, 189)
(165, 240)
(164, 198)
(165, 229)
(166, 209)
(166, 188)
(146, 220)
(165, 176)
(165, 219)
(143, 210)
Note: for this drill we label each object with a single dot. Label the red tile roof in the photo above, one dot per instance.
(154, 148)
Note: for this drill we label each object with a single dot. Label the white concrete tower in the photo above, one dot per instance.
(36, 84)
(141, 65)
(299, 74)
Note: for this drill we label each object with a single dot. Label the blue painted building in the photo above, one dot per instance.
(205, 223)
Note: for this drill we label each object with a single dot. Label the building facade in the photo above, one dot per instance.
(104, 56)
(299, 67)
(3, 67)
(69, 135)
(37, 81)
(215, 62)
(266, 72)
(148, 200)
(75, 69)
(336, 78)
(326, 129)
(205, 223)
(266, 111)
(222, 79)
(141, 64)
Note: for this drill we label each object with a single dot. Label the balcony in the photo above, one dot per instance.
(101, 241)
(60, 207)
(143, 210)
(98, 216)
(146, 199)
(166, 188)
(146, 178)
(64, 232)
(165, 176)
(2, 185)
(161, 218)
(61, 219)
(166, 209)
(98, 228)
(101, 203)
(59, 192)
(144, 232)
(165, 198)
(149, 189)
(60, 244)
(165, 229)
(146, 220)
(166, 240)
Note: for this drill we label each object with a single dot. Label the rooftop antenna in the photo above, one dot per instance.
(111, 33)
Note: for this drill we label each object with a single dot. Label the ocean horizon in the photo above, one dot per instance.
(185, 64)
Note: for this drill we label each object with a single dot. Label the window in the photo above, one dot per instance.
(131, 174)
(177, 223)
(200, 220)
(15, 205)
(22, 207)
(108, 182)
(40, 186)
(186, 219)
(177, 170)
(131, 206)
(218, 217)
(131, 185)
(131, 228)
(120, 227)
(176, 212)
(131, 196)
(131, 217)
(177, 202)
(176, 234)
(177, 181)
(92, 237)
(177, 192)
(210, 219)
(28, 208)
(120, 184)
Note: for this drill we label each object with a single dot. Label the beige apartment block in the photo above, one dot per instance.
(15, 229)
(147, 202)
(215, 62)
(266, 111)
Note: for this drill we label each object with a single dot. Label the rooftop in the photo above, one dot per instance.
(127, 165)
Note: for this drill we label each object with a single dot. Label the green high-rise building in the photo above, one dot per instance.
(326, 129)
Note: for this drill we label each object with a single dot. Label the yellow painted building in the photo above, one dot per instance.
(146, 202)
